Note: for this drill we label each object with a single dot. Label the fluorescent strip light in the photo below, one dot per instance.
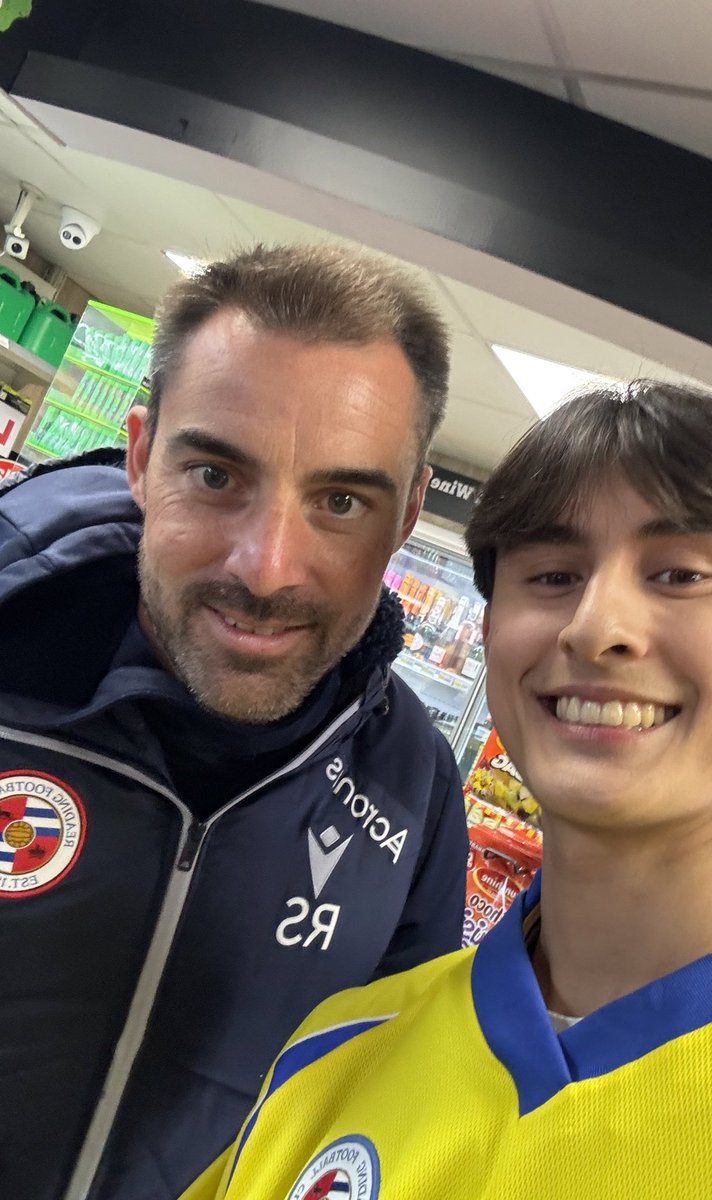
(184, 262)
(541, 381)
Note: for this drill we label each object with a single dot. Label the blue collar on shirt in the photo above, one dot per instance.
(514, 1020)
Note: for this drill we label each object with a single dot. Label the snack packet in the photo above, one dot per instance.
(504, 855)
(495, 778)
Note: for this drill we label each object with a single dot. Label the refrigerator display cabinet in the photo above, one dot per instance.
(98, 380)
(443, 657)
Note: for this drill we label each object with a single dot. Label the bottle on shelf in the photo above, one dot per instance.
(80, 395)
(430, 626)
(405, 583)
(409, 597)
(461, 648)
(97, 395)
(441, 652)
(428, 601)
(42, 433)
(418, 600)
(121, 402)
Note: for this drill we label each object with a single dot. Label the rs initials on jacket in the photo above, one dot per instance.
(307, 922)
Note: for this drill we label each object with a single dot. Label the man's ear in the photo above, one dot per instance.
(486, 627)
(415, 503)
(137, 452)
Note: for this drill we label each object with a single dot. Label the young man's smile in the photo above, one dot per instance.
(606, 708)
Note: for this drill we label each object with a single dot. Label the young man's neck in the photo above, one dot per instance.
(620, 911)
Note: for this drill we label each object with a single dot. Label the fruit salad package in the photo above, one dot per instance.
(495, 779)
(504, 855)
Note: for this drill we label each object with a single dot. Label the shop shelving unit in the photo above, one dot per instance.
(100, 377)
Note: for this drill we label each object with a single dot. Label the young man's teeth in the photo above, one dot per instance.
(614, 713)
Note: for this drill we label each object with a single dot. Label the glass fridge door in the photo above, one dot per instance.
(442, 659)
(473, 730)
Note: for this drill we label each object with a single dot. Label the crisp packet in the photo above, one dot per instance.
(504, 855)
(495, 778)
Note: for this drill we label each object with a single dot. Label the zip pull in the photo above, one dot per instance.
(191, 846)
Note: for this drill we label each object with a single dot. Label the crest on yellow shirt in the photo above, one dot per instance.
(346, 1169)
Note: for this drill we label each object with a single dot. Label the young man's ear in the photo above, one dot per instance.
(486, 627)
(137, 451)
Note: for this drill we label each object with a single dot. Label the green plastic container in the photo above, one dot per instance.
(17, 304)
(49, 331)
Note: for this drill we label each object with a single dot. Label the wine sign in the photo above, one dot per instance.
(451, 495)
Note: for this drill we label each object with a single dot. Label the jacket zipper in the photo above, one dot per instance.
(191, 846)
(192, 838)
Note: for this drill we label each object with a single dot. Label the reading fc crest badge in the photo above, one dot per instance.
(345, 1170)
(42, 827)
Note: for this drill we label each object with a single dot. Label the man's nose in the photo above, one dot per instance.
(271, 546)
(609, 619)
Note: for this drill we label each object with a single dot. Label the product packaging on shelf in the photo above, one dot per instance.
(504, 855)
(100, 376)
(439, 629)
(495, 779)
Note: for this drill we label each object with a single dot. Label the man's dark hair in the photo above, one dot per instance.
(319, 293)
(655, 436)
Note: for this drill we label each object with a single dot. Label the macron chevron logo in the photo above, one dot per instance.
(324, 853)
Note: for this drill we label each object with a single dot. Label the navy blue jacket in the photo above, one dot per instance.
(151, 964)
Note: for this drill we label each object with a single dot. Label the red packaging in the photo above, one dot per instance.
(504, 855)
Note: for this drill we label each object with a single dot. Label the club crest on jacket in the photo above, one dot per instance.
(42, 827)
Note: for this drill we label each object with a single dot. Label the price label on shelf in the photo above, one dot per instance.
(10, 421)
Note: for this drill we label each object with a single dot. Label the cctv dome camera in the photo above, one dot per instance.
(16, 245)
(76, 229)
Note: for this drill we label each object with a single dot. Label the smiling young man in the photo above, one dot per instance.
(571, 1053)
(217, 804)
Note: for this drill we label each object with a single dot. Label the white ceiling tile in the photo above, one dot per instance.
(510, 29)
(477, 372)
(686, 121)
(133, 204)
(639, 39)
(262, 225)
(453, 312)
(477, 434)
(21, 158)
(506, 324)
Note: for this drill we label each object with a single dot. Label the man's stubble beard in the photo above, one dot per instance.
(241, 687)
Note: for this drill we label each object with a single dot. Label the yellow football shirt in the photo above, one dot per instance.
(448, 1081)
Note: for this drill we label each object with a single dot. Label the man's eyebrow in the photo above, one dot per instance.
(206, 443)
(356, 477)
